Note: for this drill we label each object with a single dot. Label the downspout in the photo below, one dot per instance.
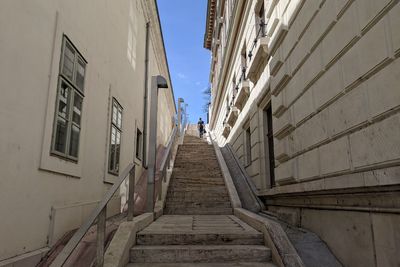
(146, 74)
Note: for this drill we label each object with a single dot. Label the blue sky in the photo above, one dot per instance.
(183, 25)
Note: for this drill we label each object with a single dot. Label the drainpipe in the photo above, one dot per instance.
(146, 74)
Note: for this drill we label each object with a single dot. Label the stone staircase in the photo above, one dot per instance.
(197, 185)
(198, 228)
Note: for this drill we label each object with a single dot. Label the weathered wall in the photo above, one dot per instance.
(332, 79)
(111, 37)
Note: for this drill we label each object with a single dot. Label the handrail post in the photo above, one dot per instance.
(131, 193)
(101, 234)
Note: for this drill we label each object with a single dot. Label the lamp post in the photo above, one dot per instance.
(180, 101)
(157, 82)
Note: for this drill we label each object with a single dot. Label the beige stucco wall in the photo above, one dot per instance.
(336, 122)
(34, 184)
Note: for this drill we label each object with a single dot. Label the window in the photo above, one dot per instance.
(115, 138)
(139, 144)
(247, 146)
(67, 123)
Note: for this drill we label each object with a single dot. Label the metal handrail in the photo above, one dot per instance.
(167, 154)
(99, 213)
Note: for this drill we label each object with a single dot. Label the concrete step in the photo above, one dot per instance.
(200, 253)
(207, 264)
(200, 239)
(198, 211)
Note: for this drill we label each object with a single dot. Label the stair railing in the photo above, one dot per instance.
(99, 214)
(167, 159)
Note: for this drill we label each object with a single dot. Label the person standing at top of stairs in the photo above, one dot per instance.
(200, 127)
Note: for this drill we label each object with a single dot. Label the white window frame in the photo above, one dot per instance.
(75, 90)
(117, 125)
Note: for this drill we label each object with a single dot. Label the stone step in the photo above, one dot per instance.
(194, 196)
(198, 198)
(196, 164)
(179, 204)
(198, 211)
(200, 239)
(199, 253)
(198, 189)
(205, 264)
(196, 147)
(195, 158)
(176, 182)
(195, 172)
(199, 178)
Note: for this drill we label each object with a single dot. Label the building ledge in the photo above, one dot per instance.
(226, 131)
(242, 94)
(232, 116)
(259, 54)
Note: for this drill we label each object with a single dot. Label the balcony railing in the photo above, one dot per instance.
(242, 91)
(258, 52)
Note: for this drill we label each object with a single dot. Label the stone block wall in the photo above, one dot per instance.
(332, 79)
(338, 113)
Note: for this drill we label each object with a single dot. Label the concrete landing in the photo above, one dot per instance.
(199, 230)
(197, 224)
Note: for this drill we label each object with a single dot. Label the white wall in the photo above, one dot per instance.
(111, 37)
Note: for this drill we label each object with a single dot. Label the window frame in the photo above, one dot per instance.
(118, 129)
(74, 90)
(139, 145)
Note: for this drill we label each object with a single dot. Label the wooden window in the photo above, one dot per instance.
(115, 138)
(139, 144)
(68, 114)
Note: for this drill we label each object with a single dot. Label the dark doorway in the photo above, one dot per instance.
(269, 147)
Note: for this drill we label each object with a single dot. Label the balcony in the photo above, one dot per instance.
(242, 94)
(232, 116)
(226, 131)
(257, 56)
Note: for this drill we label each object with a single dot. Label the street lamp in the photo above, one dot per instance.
(157, 82)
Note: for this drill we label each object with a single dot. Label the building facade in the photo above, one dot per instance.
(307, 94)
(73, 79)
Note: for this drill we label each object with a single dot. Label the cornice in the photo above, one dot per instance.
(210, 17)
